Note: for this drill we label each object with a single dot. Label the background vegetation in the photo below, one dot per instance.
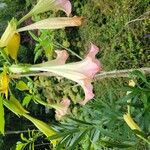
(122, 31)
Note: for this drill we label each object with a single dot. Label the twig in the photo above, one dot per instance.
(120, 73)
(138, 18)
(69, 50)
(18, 132)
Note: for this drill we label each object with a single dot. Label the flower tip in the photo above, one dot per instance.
(78, 21)
(91, 95)
(67, 8)
(94, 48)
(64, 5)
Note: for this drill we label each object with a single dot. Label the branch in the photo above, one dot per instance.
(120, 73)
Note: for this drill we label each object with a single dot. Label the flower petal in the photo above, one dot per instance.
(88, 90)
(13, 46)
(64, 5)
(63, 111)
(8, 34)
(60, 59)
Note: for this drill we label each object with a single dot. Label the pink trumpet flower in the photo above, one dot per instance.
(81, 72)
(62, 110)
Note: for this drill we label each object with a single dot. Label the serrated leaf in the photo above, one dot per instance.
(77, 139)
(22, 86)
(115, 144)
(2, 119)
(63, 142)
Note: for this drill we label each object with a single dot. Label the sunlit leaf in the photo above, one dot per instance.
(2, 119)
(22, 86)
(20, 146)
(26, 100)
(14, 105)
(43, 127)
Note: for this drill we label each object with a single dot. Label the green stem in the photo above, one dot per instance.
(69, 50)
(4, 55)
(101, 76)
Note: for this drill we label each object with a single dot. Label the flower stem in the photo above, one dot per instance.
(120, 73)
(101, 76)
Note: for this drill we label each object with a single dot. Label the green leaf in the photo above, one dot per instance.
(26, 100)
(43, 127)
(2, 119)
(17, 108)
(76, 139)
(20, 146)
(116, 144)
(63, 134)
(63, 142)
(22, 86)
(34, 36)
(24, 138)
(14, 105)
(37, 54)
(140, 75)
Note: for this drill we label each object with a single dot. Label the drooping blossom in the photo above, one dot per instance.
(54, 23)
(46, 5)
(62, 110)
(81, 72)
(8, 34)
(10, 39)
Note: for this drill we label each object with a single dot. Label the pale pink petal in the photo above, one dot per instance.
(64, 5)
(88, 90)
(63, 110)
(81, 72)
(60, 59)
